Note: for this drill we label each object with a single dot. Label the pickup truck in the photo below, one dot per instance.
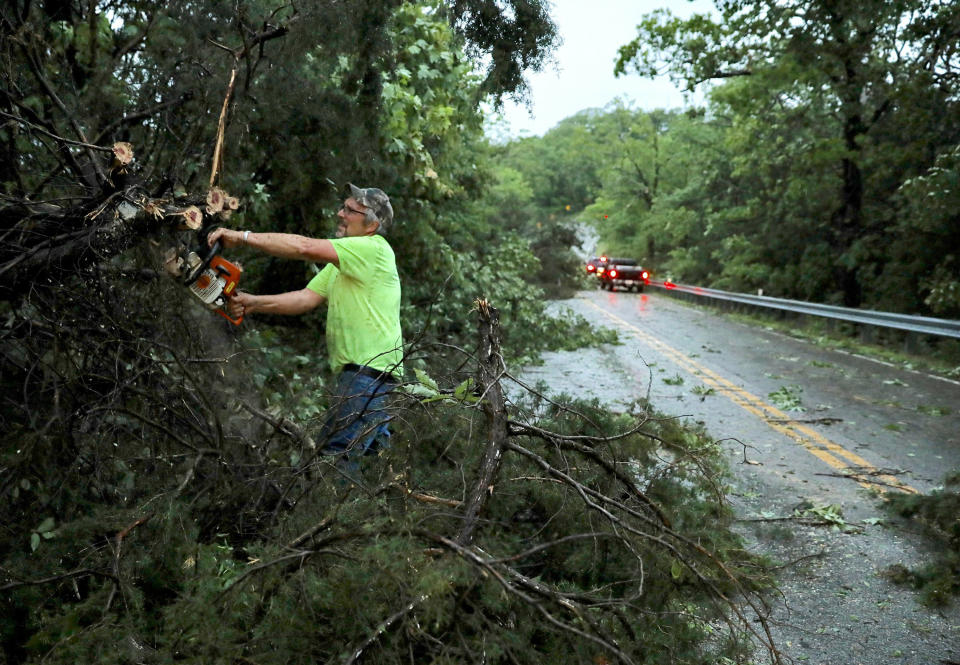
(624, 273)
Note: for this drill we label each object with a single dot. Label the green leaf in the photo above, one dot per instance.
(787, 398)
(34, 541)
(464, 392)
(676, 569)
(417, 390)
(46, 525)
(425, 380)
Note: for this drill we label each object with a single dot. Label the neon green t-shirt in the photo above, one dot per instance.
(363, 305)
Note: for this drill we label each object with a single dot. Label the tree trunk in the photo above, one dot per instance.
(848, 219)
(489, 371)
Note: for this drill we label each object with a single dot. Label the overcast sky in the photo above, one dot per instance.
(582, 77)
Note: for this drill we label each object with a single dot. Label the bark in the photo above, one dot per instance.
(848, 221)
(490, 370)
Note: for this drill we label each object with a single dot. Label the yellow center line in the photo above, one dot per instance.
(811, 440)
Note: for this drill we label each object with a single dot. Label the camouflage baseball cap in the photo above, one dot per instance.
(375, 199)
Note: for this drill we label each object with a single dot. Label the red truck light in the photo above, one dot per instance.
(613, 273)
(645, 274)
(591, 268)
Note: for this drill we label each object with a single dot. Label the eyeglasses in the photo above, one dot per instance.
(353, 210)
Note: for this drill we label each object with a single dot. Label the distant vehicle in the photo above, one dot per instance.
(598, 264)
(624, 273)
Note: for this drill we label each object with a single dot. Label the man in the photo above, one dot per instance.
(361, 288)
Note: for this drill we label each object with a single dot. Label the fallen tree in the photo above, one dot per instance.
(482, 536)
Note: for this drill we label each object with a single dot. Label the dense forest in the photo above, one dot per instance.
(163, 499)
(823, 167)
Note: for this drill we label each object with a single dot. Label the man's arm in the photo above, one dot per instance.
(281, 245)
(291, 302)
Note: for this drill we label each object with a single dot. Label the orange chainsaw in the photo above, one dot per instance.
(210, 277)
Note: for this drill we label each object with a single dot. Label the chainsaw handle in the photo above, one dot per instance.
(237, 321)
(224, 312)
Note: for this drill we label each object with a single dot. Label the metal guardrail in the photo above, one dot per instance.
(923, 325)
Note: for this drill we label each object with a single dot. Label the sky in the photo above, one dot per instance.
(582, 75)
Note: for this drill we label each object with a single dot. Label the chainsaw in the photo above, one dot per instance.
(209, 276)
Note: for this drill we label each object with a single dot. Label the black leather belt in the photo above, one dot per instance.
(383, 377)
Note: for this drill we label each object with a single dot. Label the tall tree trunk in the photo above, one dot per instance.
(848, 218)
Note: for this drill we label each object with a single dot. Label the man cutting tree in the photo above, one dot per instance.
(361, 288)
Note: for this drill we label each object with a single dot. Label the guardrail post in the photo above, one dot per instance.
(911, 343)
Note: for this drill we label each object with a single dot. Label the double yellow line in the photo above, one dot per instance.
(815, 443)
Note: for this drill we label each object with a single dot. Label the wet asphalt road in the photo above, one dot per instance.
(865, 427)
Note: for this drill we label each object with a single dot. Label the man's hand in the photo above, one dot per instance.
(229, 237)
(238, 304)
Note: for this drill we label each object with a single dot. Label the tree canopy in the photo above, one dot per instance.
(859, 95)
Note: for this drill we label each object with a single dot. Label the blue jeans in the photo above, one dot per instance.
(357, 422)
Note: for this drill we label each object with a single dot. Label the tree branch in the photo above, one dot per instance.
(490, 368)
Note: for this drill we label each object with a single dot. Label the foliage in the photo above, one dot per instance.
(302, 566)
(789, 182)
(825, 110)
(514, 36)
(788, 398)
(562, 167)
(389, 96)
(932, 201)
(565, 330)
(542, 183)
(939, 581)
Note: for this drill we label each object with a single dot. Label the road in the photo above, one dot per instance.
(805, 428)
